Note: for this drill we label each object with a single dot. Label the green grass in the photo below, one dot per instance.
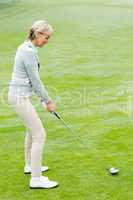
(87, 68)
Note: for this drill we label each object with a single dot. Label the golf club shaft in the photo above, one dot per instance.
(68, 128)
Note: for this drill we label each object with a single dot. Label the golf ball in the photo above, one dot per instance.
(113, 170)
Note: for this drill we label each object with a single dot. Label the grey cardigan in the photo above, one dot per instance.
(25, 76)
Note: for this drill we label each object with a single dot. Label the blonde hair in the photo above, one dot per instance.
(40, 26)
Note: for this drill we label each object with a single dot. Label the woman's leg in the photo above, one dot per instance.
(31, 120)
(27, 148)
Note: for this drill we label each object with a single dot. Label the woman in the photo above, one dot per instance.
(25, 80)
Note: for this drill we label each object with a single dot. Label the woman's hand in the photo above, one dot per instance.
(50, 106)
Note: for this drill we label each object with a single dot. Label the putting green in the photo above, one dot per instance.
(87, 68)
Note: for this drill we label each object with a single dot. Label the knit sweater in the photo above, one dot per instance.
(25, 76)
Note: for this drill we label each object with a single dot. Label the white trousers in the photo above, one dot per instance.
(35, 135)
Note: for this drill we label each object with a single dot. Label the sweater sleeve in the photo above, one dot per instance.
(31, 67)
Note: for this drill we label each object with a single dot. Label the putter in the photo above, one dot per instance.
(112, 171)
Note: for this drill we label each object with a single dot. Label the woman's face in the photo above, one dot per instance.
(42, 39)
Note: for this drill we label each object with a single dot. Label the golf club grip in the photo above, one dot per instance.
(56, 115)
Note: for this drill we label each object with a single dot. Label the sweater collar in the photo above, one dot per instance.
(30, 44)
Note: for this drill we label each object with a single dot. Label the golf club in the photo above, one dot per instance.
(112, 171)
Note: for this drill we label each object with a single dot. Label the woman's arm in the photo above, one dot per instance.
(31, 67)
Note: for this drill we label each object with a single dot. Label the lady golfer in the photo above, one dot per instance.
(25, 80)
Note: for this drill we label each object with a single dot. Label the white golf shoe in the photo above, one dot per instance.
(27, 169)
(42, 183)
